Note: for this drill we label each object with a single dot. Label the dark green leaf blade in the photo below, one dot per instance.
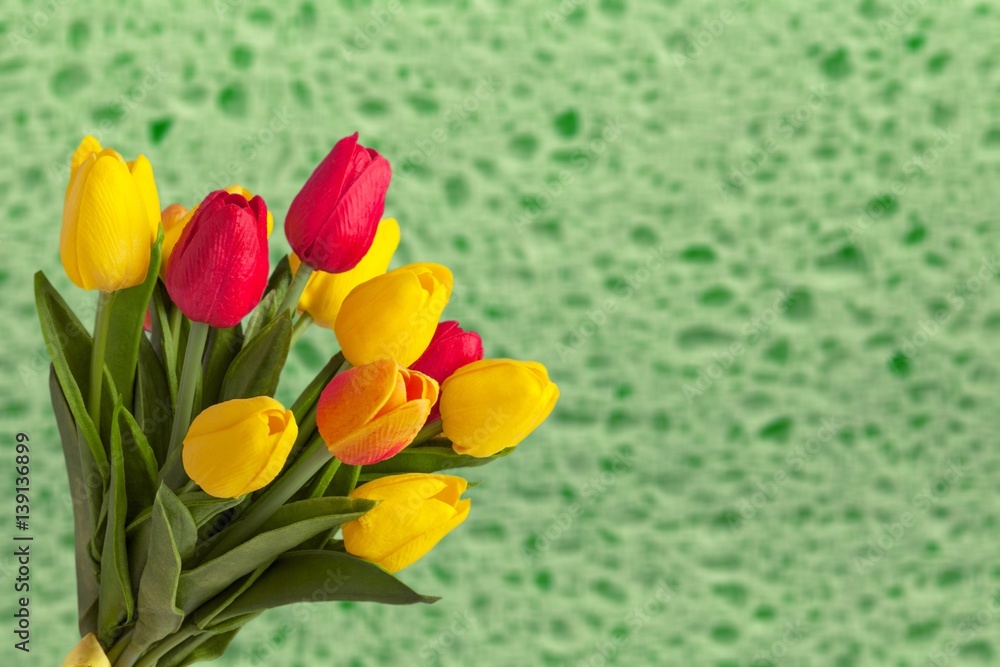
(427, 460)
(116, 602)
(153, 406)
(128, 312)
(223, 347)
(208, 580)
(87, 587)
(140, 466)
(256, 369)
(299, 576)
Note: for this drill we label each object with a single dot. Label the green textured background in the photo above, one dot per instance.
(489, 112)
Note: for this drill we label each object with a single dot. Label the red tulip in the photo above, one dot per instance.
(219, 267)
(449, 349)
(332, 221)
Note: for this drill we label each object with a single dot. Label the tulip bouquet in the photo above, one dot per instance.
(199, 500)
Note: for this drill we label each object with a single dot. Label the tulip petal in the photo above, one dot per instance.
(354, 397)
(490, 405)
(384, 436)
(142, 172)
(68, 235)
(325, 292)
(88, 146)
(410, 552)
(88, 653)
(112, 233)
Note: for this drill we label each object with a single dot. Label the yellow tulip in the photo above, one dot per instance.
(142, 174)
(415, 512)
(88, 653)
(370, 413)
(179, 217)
(393, 316)
(325, 292)
(238, 446)
(107, 228)
(493, 404)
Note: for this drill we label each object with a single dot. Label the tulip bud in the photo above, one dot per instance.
(393, 316)
(239, 446)
(219, 267)
(415, 512)
(88, 653)
(331, 222)
(450, 349)
(325, 292)
(369, 413)
(110, 219)
(493, 404)
(177, 217)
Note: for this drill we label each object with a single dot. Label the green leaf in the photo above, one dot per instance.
(128, 312)
(262, 314)
(277, 286)
(163, 340)
(86, 569)
(314, 508)
(280, 278)
(153, 406)
(427, 459)
(69, 345)
(140, 466)
(116, 603)
(313, 576)
(203, 648)
(223, 347)
(204, 508)
(208, 580)
(256, 369)
(173, 539)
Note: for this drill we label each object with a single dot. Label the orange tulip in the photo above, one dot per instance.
(371, 412)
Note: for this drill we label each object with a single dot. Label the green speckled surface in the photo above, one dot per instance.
(763, 293)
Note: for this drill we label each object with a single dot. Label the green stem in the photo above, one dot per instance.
(346, 481)
(295, 290)
(300, 326)
(101, 326)
(176, 319)
(428, 431)
(186, 391)
(313, 458)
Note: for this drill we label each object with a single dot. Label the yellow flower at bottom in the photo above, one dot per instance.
(325, 292)
(239, 446)
(415, 512)
(88, 653)
(493, 404)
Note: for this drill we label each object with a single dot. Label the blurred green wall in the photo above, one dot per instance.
(754, 242)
